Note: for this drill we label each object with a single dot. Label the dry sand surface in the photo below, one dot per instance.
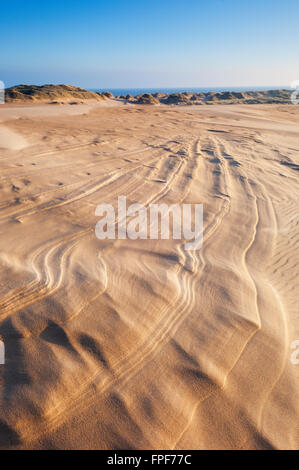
(141, 344)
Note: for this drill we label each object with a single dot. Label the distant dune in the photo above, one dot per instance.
(147, 98)
(226, 97)
(58, 93)
(50, 92)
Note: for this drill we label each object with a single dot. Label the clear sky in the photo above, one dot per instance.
(156, 43)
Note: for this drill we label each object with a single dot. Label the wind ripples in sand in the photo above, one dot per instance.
(141, 344)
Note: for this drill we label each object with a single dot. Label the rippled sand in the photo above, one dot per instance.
(141, 344)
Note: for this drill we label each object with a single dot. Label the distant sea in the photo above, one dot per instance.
(139, 91)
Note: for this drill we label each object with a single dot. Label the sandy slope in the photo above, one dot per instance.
(140, 344)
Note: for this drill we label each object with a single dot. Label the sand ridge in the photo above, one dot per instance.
(141, 344)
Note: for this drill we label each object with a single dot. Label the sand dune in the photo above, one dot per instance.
(50, 92)
(141, 344)
(62, 94)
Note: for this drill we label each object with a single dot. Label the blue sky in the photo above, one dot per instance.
(97, 44)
